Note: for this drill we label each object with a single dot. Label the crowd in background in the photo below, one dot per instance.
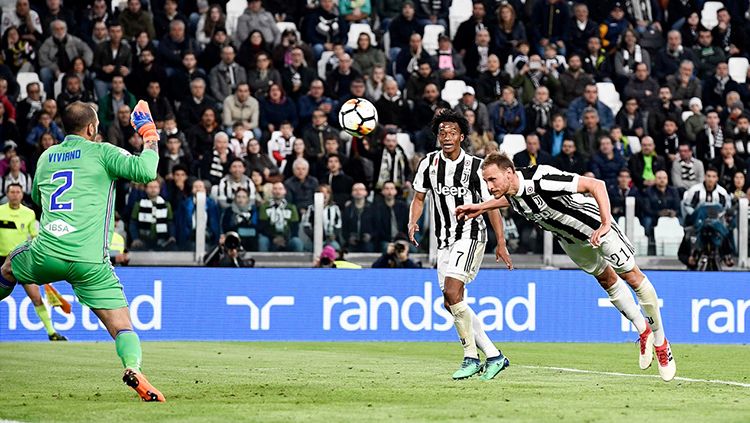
(248, 112)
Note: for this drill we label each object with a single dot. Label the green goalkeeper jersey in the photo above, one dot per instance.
(75, 186)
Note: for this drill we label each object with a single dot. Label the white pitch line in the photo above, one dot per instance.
(678, 378)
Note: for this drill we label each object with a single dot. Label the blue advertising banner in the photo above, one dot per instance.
(390, 305)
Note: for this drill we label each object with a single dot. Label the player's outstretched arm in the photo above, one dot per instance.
(598, 190)
(142, 169)
(470, 211)
(415, 212)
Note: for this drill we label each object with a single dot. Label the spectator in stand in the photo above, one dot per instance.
(10, 151)
(298, 152)
(152, 222)
(331, 146)
(296, 76)
(146, 69)
(215, 163)
(275, 109)
(339, 79)
(44, 124)
(8, 128)
(670, 139)
(263, 76)
(619, 192)
(642, 86)
(686, 170)
(728, 164)
(683, 84)
(366, 57)
(532, 75)
(241, 107)
(710, 140)
(552, 140)
(99, 34)
(509, 31)
(224, 192)
(581, 29)
(390, 163)
(401, 29)
(17, 54)
(630, 118)
(375, 83)
(358, 226)
(393, 110)
(607, 163)
(476, 59)
(314, 136)
(192, 108)
(408, 60)
(507, 116)
(709, 192)
(180, 86)
(659, 200)
(301, 186)
(739, 187)
(596, 61)
(540, 111)
(569, 160)
(57, 52)
(26, 20)
(644, 164)
(573, 81)
(419, 80)
(613, 27)
(251, 48)
(556, 18)
(665, 109)
(628, 55)
(690, 21)
(45, 142)
(490, 83)
(185, 219)
(429, 12)
(469, 101)
(315, 100)
(479, 142)
(589, 99)
(736, 111)
(280, 144)
(210, 57)
(227, 75)
(242, 217)
(163, 18)
(142, 42)
(203, 135)
(450, 64)
(391, 216)
(587, 137)
(260, 162)
(279, 222)
(256, 17)
(339, 182)
(159, 105)
(730, 38)
(115, 98)
(173, 157)
(119, 132)
(208, 23)
(321, 28)
(112, 57)
(467, 30)
(332, 223)
(709, 56)
(671, 58)
(134, 20)
(741, 136)
(533, 155)
(717, 86)
(174, 45)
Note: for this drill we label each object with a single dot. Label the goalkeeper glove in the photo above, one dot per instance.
(143, 123)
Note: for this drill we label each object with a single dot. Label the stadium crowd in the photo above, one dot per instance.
(247, 105)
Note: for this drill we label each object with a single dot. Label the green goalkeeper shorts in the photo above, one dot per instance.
(95, 284)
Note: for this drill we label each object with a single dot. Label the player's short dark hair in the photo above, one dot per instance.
(77, 117)
(501, 160)
(448, 115)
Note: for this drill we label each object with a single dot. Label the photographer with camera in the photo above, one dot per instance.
(396, 257)
(228, 253)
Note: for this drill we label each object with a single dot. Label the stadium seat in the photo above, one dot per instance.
(283, 26)
(509, 68)
(354, 30)
(430, 39)
(235, 8)
(57, 88)
(25, 78)
(738, 68)
(635, 144)
(708, 14)
(609, 96)
(324, 58)
(387, 42)
(512, 144)
(459, 11)
(405, 142)
(453, 91)
(686, 114)
(668, 235)
(639, 240)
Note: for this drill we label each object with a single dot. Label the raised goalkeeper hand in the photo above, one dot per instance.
(143, 123)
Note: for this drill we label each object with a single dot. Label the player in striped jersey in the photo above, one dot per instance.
(453, 177)
(556, 201)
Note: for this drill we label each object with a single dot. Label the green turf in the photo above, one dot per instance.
(354, 382)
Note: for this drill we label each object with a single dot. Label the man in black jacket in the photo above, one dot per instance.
(391, 216)
(467, 30)
(569, 160)
(358, 220)
(533, 155)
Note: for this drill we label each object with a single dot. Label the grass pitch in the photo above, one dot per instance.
(356, 382)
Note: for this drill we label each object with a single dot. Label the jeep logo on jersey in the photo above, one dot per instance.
(446, 190)
(59, 228)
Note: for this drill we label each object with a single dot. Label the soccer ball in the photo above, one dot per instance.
(358, 117)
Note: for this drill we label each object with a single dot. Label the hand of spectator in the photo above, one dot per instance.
(328, 46)
(656, 25)
(639, 132)
(524, 69)
(222, 238)
(543, 42)
(124, 71)
(279, 241)
(108, 68)
(733, 50)
(366, 237)
(649, 92)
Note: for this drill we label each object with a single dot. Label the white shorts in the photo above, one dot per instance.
(460, 261)
(615, 250)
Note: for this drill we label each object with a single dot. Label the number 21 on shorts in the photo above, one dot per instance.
(55, 205)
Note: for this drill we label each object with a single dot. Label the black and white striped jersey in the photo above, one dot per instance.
(548, 197)
(453, 184)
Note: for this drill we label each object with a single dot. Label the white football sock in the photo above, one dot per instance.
(462, 319)
(622, 299)
(650, 305)
(482, 340)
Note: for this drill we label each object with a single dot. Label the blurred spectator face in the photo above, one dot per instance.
(582, 12)
(59, 29)
(189, 61)
(415, 42)
(220, 37)
(47, 141)
(301, 170)
(605, 146)
(237, 169)
(623, 180)
(253, 147)
(647, 146)
(12, 35)
(594, 45)
(743, 124)
(50, 106)
(170, 126)
(389, 191)
(173, 145)
(15, 195)
(712, 178)
(407, 11)
(255, 5)
(170, 7)
(334, 165)
(508, 95)
(732, 97)
(318, 118)
(298, 57)
(591, 94)
(617, 13)
(542, 94)
(641, 71)
(390, 142)
(100, 30)
(286, 130)
(722, 70)
(15, 163)
(468, 99)
(208, 118)
(256, 177)
(221, 143)
(274, 93)
(357, 88)
(331, 145)
(493, 63)
(363, 41)
(444, 44)
(142, 39)
(615, 133)
(739, 180)
(123, 115)
(674, 40)
(146, 57)
(118, 85)
(179, 176)
(535, 61)
(177, 30)
(712, 120)
(470, 117)
(262, 62)
(558, 123)
(227, 55)
(152, 189)
(378, 74)
(574, 63)
(241, 198)
(298, 147)
(326, 5)
(723, 16)
(590, 120)
(568, 147)
(477, 11)
(686, 153)
(506, 13)
(705, 39)
(686, 70)
(316, 89)
(629, 38)
(243, 92)
(99, 8)
(198, 186)
(154, 90)
(45, 120)
(22, 8)
(665, 94)
(3, 87)
(198, 88)
(728, 150)
(115, 33)
(424, 70)
(359, 192)
(391, 88)
(483, 38)
(532, 144)
(134, 6)
(33, 91)
(345, 63)
(136, 142)
(278, 191)
(431, 93)
(669, 127)
(662, 180)
(631, 106)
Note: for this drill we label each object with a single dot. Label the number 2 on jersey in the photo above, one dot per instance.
(67, 177)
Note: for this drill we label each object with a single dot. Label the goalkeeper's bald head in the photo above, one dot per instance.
(79, 118)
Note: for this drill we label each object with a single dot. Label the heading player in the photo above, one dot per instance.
(75, 187)
(555, 201)
(453, 177)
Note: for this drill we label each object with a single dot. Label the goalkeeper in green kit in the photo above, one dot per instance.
(75, 187)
